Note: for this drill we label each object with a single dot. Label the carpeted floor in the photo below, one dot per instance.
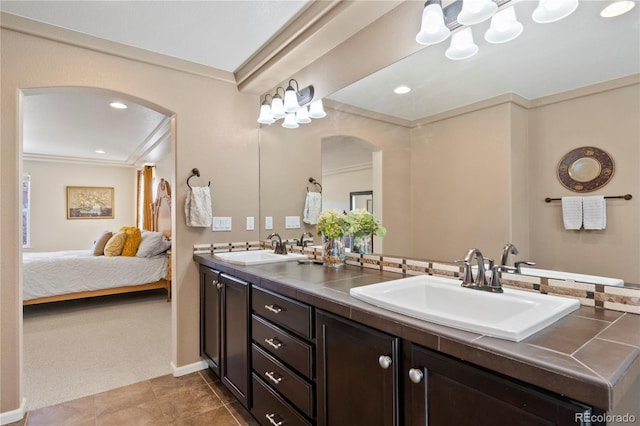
(78, 348)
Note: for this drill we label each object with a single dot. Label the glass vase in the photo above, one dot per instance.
(361, 244)
(333, 252)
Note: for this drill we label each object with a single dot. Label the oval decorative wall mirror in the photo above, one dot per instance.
(585, 169)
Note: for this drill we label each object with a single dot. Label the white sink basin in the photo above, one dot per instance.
(512, 315)
(560, 275)
(256, 257)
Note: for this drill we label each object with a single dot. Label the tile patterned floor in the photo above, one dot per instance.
(192, 400)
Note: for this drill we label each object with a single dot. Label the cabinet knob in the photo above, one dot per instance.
(385, 361)
(273, 342)
(272, 419)
(273, 308)
(218, 285)
(415, 375)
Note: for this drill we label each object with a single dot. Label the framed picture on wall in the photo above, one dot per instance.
(90, 202)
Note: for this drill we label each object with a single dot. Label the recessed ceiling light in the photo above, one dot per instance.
(117, 105)
(99, 151)
(401, 90)
(617, 8)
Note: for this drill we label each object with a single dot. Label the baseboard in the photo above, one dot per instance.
(188, 369)
(15, 415)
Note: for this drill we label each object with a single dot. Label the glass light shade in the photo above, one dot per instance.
(504, 27)
(316, 109)
(277, 107)
(553, 10)
(265, 114)
(290, 100)
(433, 30)
(462, 45)
(302, 116)
(476, 11)
(617, 8)
(290, 121)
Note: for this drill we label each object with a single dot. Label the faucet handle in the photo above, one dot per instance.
(494, 285)
(490, 261)
(520, 263)
(467, 280)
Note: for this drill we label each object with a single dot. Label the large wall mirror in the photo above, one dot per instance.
(580, 51)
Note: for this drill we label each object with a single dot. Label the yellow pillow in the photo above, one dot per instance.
(115, 244)
(134, 236)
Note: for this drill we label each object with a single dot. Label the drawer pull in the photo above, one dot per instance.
(273, 308)
(273, 342)
(272, 419)
(272, 376)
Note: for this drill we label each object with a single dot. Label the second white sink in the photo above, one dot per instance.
(561, 275)
(256, 257)
(512, 315)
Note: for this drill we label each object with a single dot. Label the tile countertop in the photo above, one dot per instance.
(591, 355)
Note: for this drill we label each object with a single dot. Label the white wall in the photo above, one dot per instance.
(50, 228)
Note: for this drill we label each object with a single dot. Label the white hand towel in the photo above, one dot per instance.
(572, 212)
(312, 208)
(594, 210)
(197, 207)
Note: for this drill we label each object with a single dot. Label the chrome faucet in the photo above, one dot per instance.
(302, 242)
(511, 249)
(506, 251)
(480, 280)
(280, 246)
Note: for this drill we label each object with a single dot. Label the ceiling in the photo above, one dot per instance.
(547, 58)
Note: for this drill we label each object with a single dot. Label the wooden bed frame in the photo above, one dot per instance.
(161, 222)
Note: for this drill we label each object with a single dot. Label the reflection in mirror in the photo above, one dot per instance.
(361, 200)
(482, 137)
(584, 169)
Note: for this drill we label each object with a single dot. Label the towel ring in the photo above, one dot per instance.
(315, 182)
(195, 173)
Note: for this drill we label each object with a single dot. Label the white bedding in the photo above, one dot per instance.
(63, 272)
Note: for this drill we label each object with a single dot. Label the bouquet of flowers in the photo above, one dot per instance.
(360, 223)
(331, 224)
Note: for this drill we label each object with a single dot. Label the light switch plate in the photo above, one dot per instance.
(268, 222)
(250, 223)
(292, 222)
(221, 223)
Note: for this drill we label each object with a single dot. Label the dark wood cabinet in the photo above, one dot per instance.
(224, 330)
(357, 373)
(439, 390)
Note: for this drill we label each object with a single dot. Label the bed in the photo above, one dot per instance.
(76, 274)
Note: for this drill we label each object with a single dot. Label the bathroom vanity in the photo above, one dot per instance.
(303, 351)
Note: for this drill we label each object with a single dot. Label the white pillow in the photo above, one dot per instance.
(152, 244)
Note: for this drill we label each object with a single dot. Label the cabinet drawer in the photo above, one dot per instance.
(294, 388)
(270, 409)
(284, 346)
(288, 313)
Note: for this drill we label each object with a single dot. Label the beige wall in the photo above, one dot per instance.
(50, 228)
(608, 120)
(336, 188)
(288, 157)
(215, 130)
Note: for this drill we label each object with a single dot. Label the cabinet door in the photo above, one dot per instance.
(451, 392)
(235, 335)
(210, 317)
(357, 373)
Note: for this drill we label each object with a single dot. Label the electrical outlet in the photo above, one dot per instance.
(292, 222)
(250, 224)
(268, 222)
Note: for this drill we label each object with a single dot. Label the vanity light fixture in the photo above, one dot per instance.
(117, 105)
(438, 22)
(476, 11)
(432, 30)
(99, 151)
(462, 45)
(504, 27)
(553, 10)
(617, 8)
(297, 107)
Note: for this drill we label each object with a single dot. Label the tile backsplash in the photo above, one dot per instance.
(608, 297)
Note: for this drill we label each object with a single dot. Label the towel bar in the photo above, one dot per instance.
(626, 197)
